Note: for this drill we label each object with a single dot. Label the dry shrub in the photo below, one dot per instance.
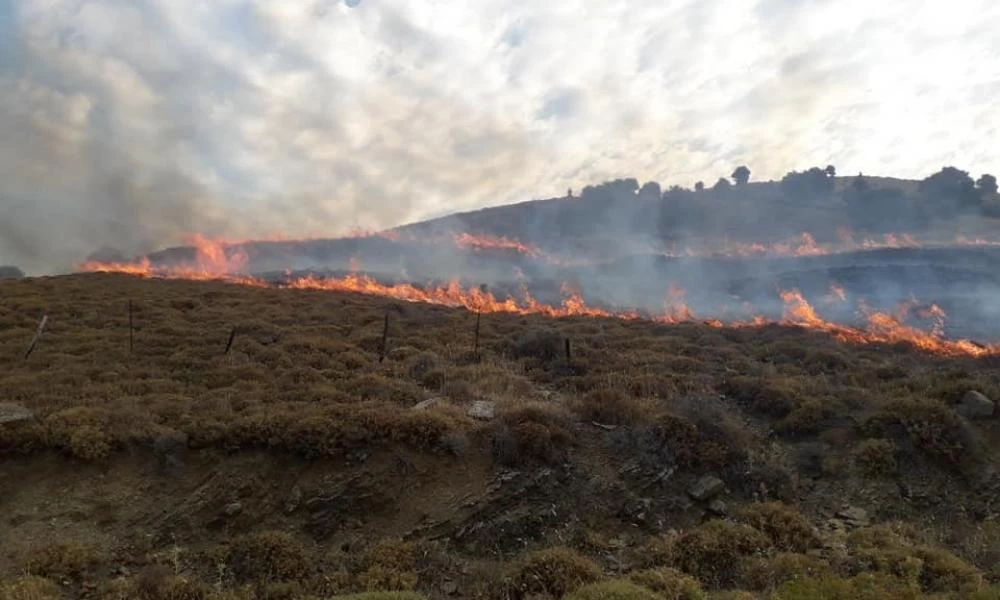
(611, 407)
(862, 587)
(63, 560)
(267, 556)
(553, 571)
(616, 589)
(543, 346)
(530, 432)
(767, 572)
(669, 584)
(422, 364)
(931, 426)
(876, 458)
(899, 550)
(787, 528)
(808, 417)
(772, 397)
(712, 551)
(389, 565)
(381, 596)
(29, 588)
(433, 380)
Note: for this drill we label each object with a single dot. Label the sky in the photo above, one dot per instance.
(132, 123)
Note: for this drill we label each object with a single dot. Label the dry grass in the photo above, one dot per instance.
(303, 381)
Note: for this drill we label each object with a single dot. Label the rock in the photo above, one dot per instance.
(853, 516)
(14, 413)
(604, 426)
(483, 410)
(718, 508)
(170, 448)
(706, 488)
(233, 509)
(975, 405)
(293, 501)
(425, 404)
(450, 588)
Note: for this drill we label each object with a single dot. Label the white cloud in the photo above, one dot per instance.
(138, 122)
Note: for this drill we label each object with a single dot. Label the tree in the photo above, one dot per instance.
(815, 182)
(569, 193)
(741, 175)
(987, 184)
(949, 190)
(699, 186)
(10, 272)
(722, 185)
(830, 170)
(650, 191)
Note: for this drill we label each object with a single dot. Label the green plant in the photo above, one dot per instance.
(876, 457)
(712, 551)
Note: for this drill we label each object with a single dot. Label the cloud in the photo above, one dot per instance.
(133, 124)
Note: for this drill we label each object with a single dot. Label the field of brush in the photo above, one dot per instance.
(276, 443)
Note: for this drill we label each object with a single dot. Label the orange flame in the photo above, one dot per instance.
(489, 242)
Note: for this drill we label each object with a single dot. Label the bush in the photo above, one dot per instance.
(62, 560)
(772, 398)
(712, 551)
(382, 596)
(618, 589)
(931, 426)
(531, 432)
(267, 556)
(389, 565)
(767, 572)
(876, 458)
(610, 407)
(543, 346)
(787, 528)
(862, 587)
(669, 584)
(553, 571)
(29, 588)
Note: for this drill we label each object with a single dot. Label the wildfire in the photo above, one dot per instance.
(489, 242)
(218, 260)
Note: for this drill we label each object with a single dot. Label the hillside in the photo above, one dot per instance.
(656, 461)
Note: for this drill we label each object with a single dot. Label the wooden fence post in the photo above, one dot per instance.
(229, 344)
(38, 334)
(385, 338)
(131, 334)
(569, 356)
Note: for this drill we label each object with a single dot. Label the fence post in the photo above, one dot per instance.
(38, 334)
(385, 338)
(131, 334)
(569, 356)
(229, 344)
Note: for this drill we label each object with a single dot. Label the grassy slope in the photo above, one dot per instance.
(274, 470)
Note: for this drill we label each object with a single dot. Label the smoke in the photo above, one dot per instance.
(134, 124)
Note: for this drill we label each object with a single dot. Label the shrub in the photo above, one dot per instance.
(876, 458)
(669, 584)
(29, 588)
(544, 346)
(611, 407)
(787, 528)
(711, 552)
(62, 560)
(617, 589)
(382, 596)
(531, 432)
(553, 571)
(389, 565)
(931, 426)
(772, 398)
(267, 556)
(862, 587)
(768, 572)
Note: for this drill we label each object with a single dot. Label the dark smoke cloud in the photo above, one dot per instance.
(133, 124)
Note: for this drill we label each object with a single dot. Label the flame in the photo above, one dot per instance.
(488, 242)
(836, 294)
